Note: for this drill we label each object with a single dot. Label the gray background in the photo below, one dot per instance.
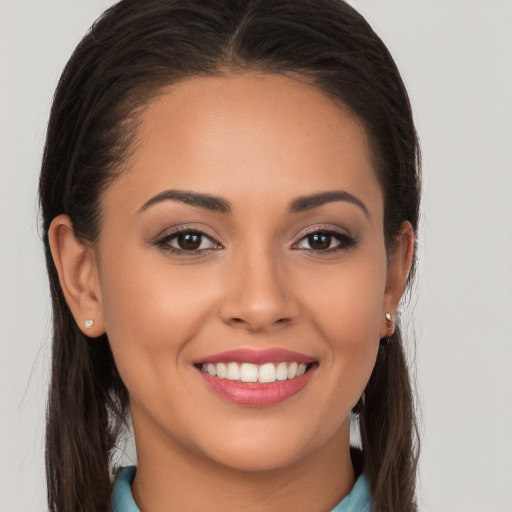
(455, 57)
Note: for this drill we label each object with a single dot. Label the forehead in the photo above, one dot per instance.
(248, 134)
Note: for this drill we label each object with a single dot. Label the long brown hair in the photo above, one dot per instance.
(133, 51)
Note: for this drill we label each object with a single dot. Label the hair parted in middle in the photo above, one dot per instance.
(132, 54)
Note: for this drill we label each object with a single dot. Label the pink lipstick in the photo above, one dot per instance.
(257, 377)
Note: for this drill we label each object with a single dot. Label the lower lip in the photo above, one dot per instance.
(256, 394)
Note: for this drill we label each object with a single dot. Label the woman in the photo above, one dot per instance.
(230, 193)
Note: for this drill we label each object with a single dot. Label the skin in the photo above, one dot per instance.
(258, 142)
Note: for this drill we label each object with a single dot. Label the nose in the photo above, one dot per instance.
(258, 297)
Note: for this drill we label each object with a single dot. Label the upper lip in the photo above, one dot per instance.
(273, 355)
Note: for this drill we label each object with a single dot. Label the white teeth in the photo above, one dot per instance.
(233, 372)
(267, 373)
(292, 370)
(222, 370)
(248, 372)
(281, 371)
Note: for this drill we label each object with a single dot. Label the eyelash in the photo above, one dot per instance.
(164, 242)
(345, 241)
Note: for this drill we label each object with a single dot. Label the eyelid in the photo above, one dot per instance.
(180, 228)
(346, 239)
(323, 228)
(162, 239)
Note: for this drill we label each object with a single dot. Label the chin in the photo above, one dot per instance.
(257, 458)
(265, 447)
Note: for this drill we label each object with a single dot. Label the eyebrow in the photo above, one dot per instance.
(315, 200)
(206, 201)
(217, 204)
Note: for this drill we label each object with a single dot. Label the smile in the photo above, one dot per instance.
(257, 378)
(248, 372)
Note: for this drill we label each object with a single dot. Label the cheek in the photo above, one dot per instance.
(346, 302)
(151, 310)
(345, 306)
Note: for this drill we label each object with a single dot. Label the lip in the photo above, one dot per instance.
(273, 355)
(258, 394)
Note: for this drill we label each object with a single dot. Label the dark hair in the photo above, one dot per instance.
(133, 51)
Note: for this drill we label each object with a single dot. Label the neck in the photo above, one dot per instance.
(175, 479)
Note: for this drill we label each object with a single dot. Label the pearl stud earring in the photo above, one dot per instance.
(389, 318)
(89, 323)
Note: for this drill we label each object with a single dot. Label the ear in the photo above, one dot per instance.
(78, 276)
(400, 260)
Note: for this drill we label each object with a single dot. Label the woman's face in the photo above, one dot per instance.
(244, 235)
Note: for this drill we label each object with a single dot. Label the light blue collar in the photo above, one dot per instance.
(122, 499)
(358, 500)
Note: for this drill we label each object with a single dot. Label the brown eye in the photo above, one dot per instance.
(326, 241)
(187, 242)
(319, 241)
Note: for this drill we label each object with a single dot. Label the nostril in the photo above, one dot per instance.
(255, 325)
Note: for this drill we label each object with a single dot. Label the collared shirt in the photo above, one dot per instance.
(358, 499)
